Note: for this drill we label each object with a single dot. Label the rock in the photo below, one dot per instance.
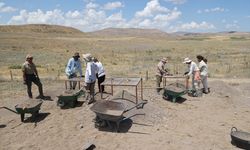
(80, 126)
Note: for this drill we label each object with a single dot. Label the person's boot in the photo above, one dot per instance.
(40, 97)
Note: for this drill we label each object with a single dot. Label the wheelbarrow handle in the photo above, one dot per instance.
(132, 116)
(9, 109)
(136, 106)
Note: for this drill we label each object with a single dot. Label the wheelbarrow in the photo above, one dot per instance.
(69, 98)
(112, 111)
(173, 91)
(30, 106)
(240, 139)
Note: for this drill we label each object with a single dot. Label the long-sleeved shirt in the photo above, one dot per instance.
(73, 67)
(100, 69)
(90, 74)
(160, 70)
(203, 68)
(192, 68)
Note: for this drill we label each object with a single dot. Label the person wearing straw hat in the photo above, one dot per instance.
(30, 75)
(73, 67)
(160, 72)
(193, 71)
(90, 77)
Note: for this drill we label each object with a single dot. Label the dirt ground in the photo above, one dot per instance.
(202, 123)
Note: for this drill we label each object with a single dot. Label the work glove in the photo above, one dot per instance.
(185, 73)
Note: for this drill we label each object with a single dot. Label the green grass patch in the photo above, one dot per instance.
(238, 38)
(15, 66)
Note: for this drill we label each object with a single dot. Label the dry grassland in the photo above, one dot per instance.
(228, 54)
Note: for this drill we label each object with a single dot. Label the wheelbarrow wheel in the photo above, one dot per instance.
(167, 97)
(60, 103)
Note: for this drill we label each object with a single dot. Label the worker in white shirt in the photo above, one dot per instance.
(203, 73)
(90, 77)
(100, 74)
(193, 71)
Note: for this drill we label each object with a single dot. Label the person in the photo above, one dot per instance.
(30, 75)
(100, 74)
(193, 71)
(160, 72)
(90, 77)
(73, 67)
(203, 72)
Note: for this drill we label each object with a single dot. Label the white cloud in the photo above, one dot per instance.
(153, 7)
(233, 25)
(94, 17)
(192, 26)
(176, 1)
(113, 5)
(216, 9)
(6, 9)
(154, 16)
(74, 15)
(172, 15)
(116, 17)
(51, 17)
(92, 5)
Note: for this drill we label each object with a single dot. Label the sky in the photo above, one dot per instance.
(166, 15)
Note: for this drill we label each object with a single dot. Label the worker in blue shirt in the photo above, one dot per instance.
(73, 67)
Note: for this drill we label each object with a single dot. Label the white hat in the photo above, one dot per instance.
(187, 60)
(29, 56)
(164, 60)
(87, 57)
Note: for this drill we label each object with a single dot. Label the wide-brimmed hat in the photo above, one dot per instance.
(29, 56)
(76, 55)
(187, 60)
(164, 59)
(87, 57)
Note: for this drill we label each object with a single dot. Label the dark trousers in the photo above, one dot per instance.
(158, 83)
(34, 79)
(100, 80)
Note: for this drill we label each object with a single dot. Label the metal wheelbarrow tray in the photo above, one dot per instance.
(240, 139)
(113, 111)
(173, 91)
(69, 98)
(31, 106)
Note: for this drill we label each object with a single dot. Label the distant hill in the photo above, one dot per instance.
(40, 28)
(131, 32)
(182, 33)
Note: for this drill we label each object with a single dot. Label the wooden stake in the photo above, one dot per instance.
(11, 75)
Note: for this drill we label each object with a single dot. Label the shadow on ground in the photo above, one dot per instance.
(38, 118)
